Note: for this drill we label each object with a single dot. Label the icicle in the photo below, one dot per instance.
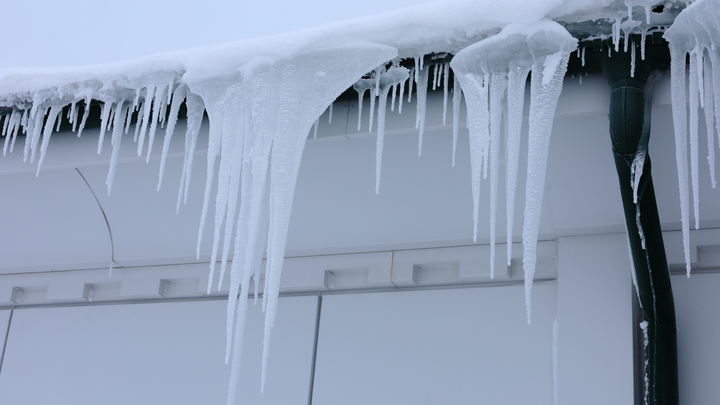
(486, 137)
(104, 116)
(110, 119)
(498, 85)
(434, 75)
(75, 107)
(136, 100)
(708, 109)
(371, 118)
(53, 115)
(422, 88)
(59, 121)
(457, 99)
(545, 90)
(632, 60)
(647, 16)
(393, 92)
(122, 110)
(138, 123)
(6, 117)
(236, 170)
(642, 44)
(227, 168)
(330, 111)
(147, 105)
(158, 111)
(582, 60)
(715, 79)
(380, 137)
(195, 111)
(170, 87)
(36, 130)
(10, 129)
(446, 74)
(679, 103)
(315, 128)
(517, 77)
(626, 42)
(698, 51)
(402, 94)
(176, 100)
(476, 98)
(543, 100)
(694, 170)
(361, 93)
(128, 118)
(388, 81)
(86, 112)
(22, 122)
(413, 73)
(616, 34)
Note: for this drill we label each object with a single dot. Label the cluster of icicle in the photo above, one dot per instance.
(696, 31)
(149, 97)
(260, 117)
(391, 82)
(493, 73)
(259, 120)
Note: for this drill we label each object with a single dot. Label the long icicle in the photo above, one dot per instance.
(679, 103)
(517, 77)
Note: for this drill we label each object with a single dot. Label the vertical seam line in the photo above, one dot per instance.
(7, 334)
(315, 347)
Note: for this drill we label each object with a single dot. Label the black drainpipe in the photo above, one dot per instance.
(630, 107)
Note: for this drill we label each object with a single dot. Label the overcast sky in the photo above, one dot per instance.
(50, 33)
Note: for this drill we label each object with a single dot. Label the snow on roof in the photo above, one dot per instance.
(443, 26)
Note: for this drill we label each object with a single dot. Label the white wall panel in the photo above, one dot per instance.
(697, 305)
(436, 347)
(52, 222)
(169, 353)
(595, 340)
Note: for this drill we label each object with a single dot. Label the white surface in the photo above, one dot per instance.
(696, 307)
(51, 223)
(595, 341)
(152, 353)
(432, 347)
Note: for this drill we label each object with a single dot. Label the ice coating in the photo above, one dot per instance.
(264, 139)
(544, 48)
(695, 32)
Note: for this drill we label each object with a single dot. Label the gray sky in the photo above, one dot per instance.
(50, 33)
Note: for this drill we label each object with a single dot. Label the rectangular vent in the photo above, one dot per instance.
(346, 278)
(436, 273)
